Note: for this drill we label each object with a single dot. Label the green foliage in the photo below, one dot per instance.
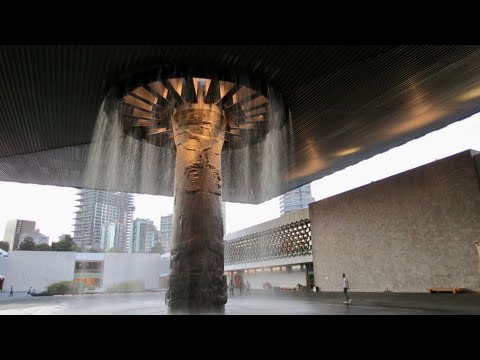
(5, 245)
(27, 244)
(43, 247)
(114, 250)
(128, 286)
(157, 248)
(68, 287)
(66, 237)
(67, 244)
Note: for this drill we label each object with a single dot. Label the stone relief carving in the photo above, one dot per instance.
(215, 186)
(192, 173)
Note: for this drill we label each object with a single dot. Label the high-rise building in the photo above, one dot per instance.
(17, 230)
(39, 238)
(296, 199)
(166, 230)
(97, 208)
(63, 237)
(144, 236)
(107, 238)
(224, 219)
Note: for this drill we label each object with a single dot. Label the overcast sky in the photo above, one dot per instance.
(52, 207)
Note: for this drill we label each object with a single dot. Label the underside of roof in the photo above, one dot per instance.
(344, 104)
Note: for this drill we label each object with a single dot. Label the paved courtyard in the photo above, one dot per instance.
(259, 303)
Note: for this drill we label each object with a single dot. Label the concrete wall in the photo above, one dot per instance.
(120, 267)
(42, 268)
(409, 232)
(38, 269)
(3, 263)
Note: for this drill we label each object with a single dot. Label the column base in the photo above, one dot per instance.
(195, 294)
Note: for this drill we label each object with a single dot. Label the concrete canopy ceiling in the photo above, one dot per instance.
(346, 103)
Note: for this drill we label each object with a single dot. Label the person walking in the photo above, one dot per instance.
(346, 287)
(11, 291)
(242, 285)
(247, 288)
(231, 287)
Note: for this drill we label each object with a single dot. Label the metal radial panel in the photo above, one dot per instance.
(244, 108)
(338, 96)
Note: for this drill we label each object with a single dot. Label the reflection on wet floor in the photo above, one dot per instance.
(153, 304)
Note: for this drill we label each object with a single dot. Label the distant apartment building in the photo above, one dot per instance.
(224, 219)
(62, 237)
(39, 238)
(108, 237)
(144, 236)
(166, 230)
(17, 230)
(296, 199)
(96, 210)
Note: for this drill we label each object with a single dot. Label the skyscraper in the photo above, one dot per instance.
(144, 236)
(296, 199)
(17, 230)
(97, 208)
(166, 229)
(224, 219)
(108, 236)
(39, 238)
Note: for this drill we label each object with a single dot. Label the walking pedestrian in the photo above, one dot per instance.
(346, 287)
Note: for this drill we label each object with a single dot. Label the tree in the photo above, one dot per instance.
(114, 250)
(65, 237)
(157, 248)
(66, 244)
(27, 244)
(5, 245)
(43, 247)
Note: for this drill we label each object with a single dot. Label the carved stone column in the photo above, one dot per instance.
(197, 282)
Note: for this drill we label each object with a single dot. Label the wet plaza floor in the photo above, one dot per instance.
(258, 303)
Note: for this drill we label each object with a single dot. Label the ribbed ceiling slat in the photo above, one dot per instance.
(50, 97)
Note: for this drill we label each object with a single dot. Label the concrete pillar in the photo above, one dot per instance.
(197, 282)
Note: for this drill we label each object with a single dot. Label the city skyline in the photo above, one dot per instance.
(47, 205)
